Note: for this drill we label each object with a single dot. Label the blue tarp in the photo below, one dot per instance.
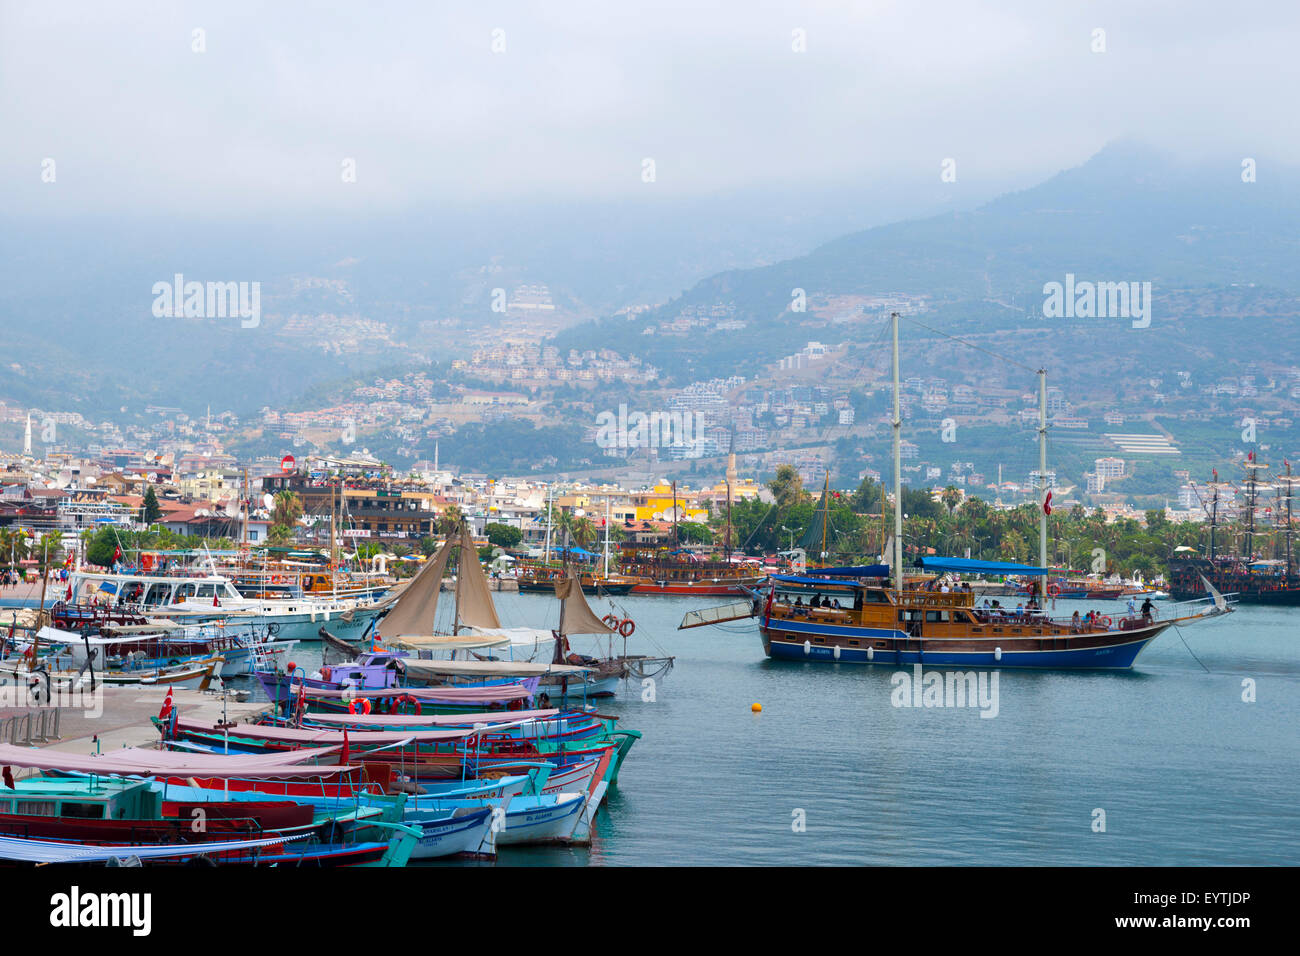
(578, 551)
(970, 566)
(822, 582)
(858, 571)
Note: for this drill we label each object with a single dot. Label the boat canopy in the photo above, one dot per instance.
(133, 762)
(820, 582)
(857, 571)
(969, 566)
(324, 737)
(45, 851)
(423, 668)
(492, 719)
(447, 642)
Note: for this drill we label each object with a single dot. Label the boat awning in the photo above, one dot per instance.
(491, 718)
(820, 582)
(45, 851)
(445, 642)
(969, 566)
(858, 571)
(325, 737)
(134, 762)
(422, 668)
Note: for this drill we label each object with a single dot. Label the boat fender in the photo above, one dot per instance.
(871, 653)
(836, 652)
(997, 653)
(807, 647)
(627, 627)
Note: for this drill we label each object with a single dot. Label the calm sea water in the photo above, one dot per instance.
(1186, 772)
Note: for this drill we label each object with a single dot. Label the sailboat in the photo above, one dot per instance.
(874, 614)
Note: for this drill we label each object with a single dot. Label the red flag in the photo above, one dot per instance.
(343, 757)
(1250, 456)
(68, 596)
(1047, 504)
(167, 705)
(215, 602)
(9, 779)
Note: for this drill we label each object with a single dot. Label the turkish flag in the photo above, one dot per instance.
(1047, 504)
(117, 553)
(167, 705)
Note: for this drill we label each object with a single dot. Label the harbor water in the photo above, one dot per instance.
(1166, 764)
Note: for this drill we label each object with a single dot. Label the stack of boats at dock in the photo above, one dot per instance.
(384, 760)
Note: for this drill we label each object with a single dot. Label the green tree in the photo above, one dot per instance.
(152, 512)
(503, 535)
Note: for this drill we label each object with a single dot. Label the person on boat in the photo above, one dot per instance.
(1075, 623)
(798, 601)
(1132, 608)
(1147, 609)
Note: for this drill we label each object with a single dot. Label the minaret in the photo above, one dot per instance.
(27, 437)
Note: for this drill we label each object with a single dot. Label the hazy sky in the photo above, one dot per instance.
(262, 121)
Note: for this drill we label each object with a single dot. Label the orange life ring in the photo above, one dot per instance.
(1053, 589)
(1105, 620)
(612, 620)
(408, 699)
(627, 627)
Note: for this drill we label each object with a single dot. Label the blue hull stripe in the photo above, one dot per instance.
(1119, 656)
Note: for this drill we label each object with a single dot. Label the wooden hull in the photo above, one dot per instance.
(703, 588)
(807, 641)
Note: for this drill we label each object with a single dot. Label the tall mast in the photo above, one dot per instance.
(1042, 478)
(677, 538)
(826, 512)
(1288, 520)
(546, 556)
(898, 473)
(607, 536)
(1248, 543)
(1214, 512)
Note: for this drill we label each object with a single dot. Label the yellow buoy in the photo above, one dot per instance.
(756, 707)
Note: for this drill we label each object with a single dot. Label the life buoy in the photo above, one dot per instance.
(1053, 589)
(359, 705)
(627, 627)
(1104, 620)
(612, 620)
(408, 699)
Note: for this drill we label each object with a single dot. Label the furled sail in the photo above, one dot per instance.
(414, 610)
(576, 616)
(474, 607)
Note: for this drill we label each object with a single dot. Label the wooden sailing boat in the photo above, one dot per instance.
(849, 615)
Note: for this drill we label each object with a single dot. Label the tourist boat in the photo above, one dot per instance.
(873, 615)
(124, 648)
(84, 800)
(542, 580)
(682, 573)
(542, 655)
(212, 597)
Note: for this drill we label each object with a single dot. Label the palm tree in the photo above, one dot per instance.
(451, 520)
(287, 509)
(581, 529)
